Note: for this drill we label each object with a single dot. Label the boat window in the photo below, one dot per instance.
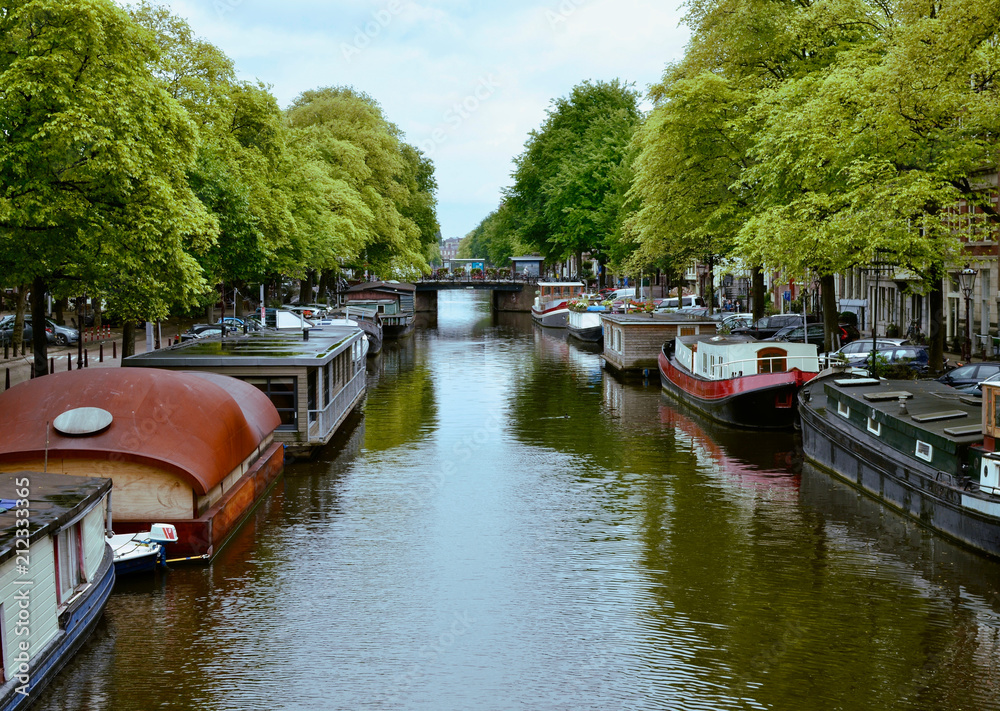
(311, 392)
(924, 451)
(281, 393)
(771, 360)
(874, 426)
(843, 408)
(69, 558)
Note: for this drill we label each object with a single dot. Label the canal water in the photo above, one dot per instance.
(507, 526)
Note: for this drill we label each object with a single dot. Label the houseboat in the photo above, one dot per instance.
(395, 303)
(738, 380)
(586, 325)
(366, 319)
(314, 377)
(920, 447)
(551, 302)
(194, 450)
(632, 342)
(56, 574)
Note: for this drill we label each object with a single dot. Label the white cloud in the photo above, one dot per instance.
(422, 58)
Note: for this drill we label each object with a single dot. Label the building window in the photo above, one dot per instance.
(924, 451)
(281, 391)
(69, 562)
(874, 427)
(843, 409)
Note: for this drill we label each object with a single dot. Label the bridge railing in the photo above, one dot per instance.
(463, 278)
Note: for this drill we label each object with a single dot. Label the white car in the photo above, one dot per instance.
(735, 320)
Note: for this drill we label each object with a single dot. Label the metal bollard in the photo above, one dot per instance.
(7, 386)
(52, 364)
(86, 364)
(101, 354)
(114, 350)
(69, 361)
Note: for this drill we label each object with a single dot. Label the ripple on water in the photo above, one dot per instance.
(509, 527)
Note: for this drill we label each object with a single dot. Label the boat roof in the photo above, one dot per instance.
(200, 426)
(53, 499)
(257, 348)
(717, 339)
(659, 319)
(561, 283)
(930, 406)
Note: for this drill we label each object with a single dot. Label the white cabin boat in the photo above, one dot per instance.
(551, 302)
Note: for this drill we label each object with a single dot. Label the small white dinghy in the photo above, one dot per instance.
(141, 552)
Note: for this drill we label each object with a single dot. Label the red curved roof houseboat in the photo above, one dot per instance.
(195, 450)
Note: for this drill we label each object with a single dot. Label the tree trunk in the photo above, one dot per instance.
(831, 315)
(128, 339)
(711, 284)
(306, 288)
(96, 305)
(324, 286)
(39, 343)
(61, 305)
(239, 311)
(17, 336)
(757, 292)
(935, 339)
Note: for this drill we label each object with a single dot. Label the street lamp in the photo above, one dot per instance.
(967, 282)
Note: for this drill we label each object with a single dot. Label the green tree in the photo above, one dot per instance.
(363, 152)
(570, 181)
(93, 161)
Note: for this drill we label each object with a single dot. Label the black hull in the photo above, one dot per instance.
(397, 331)
(931, 498)
(749, 410)
(587, 335)
(374, 333)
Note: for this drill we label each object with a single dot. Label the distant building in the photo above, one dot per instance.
(449, 248)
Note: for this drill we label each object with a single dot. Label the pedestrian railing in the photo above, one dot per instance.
(321, 422)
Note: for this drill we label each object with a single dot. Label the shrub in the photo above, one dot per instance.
(849, 317)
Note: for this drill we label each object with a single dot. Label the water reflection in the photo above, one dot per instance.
(508, 526)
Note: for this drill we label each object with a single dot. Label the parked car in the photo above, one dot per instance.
(733, 321)
(767, 326)
(816, 334)
(916, 357)
(857, 349)
(236, 323)
(54, 333)
(793, 334)
(204, 330)
(671, 303)
(975, 390)
(848, 333)
(969, 375)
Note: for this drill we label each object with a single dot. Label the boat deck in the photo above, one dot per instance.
(930, 406)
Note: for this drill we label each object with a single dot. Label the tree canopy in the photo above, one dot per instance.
(134, 165)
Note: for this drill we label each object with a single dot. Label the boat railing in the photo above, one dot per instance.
(735, 368)
(327, 418)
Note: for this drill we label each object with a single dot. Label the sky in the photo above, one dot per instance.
(465, 81)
